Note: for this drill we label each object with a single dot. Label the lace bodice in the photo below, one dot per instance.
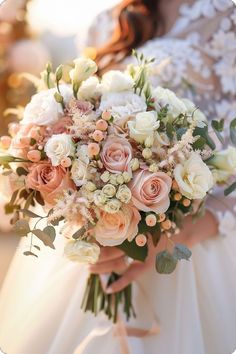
(196, 59)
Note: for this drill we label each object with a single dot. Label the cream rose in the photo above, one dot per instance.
(150, 191)
(84, 68)
(165, 97)
(79, 171)
(124, 194)
(112, 206)
(194, 113)
(58, 147)
(43, 108)
(194, 178)
(116, 81)
(114, 229)
(122, 104)
(82, 252)
(143, 126)
(116, 154)
(225, 160)
(109, 190)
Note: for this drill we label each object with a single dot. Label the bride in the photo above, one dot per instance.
(194, 44)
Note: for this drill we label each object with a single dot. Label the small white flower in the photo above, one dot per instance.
(127, 177)
(58, 147)
(195, 115)
(147, 153)
(109, 190)
(105, 176)
(117, 81)
(90, 186)
(143, 126)
(120, 179)
(82, 252)
(84, 68)
(99, 198)
(112, 206)
(194, 178)
(153, 167)
(124, 194)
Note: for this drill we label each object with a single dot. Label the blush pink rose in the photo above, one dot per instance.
(114, 229)
(116, 154)
(150, 191)
(49, 180)
(62, 125)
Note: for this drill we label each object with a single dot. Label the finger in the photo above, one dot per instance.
(132, 273)
(118, 265)
(109, 253)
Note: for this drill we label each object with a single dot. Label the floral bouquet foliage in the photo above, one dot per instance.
(113, 161)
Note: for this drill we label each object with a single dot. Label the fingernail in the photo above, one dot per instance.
(109, 290)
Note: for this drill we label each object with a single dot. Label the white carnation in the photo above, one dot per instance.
(122, 104)
(43, 108)
(116, 81)
(82, 252)
(58, 147)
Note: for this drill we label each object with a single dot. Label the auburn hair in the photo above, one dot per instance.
(136, 22)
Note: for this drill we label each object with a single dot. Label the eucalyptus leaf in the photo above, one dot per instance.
(182, 252)
(199, 144)
(29, 253)
(218, 128)
(79, 233)
(165, 262)
(50, 231)
(21, 171)
(203, 132)
(44, 237)
(21, 227)
(30, 214)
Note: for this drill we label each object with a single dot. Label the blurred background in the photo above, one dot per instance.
(31, 34)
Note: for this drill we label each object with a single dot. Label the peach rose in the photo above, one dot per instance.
(150, 191)
(114, 229)
(50, 181)
(62, 126)
(116, 154)
(20, 144)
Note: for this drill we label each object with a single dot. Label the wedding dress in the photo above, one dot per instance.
(196, 305)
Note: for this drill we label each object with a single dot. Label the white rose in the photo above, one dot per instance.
(220, 176)
(109, 190)
(90, 88)
(165, 97)
(82, 252)
(124, 194)
(195, 115)
(112, 206)
(99, 198)
(194, 178)
(225, 160)
(143, 126)
(43, 108)
(122, 104)
(58, 147)
(116, 81)
(84, 68)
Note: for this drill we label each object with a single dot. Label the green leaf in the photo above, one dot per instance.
(21, 171)
(32, 141)
(29, 201)
(37, 247)
(218, 127)
(203, 132)
(58, 97)
(180, 132)
(59, 73)
(230, 189)
(21, 227)
(165, 262)
(133, 251)
(29, 253)
(30, 214)
(50, 231)
(13, 197)
(199, 143)
(39, 198)
(181, 252)
(170, 130)
(44, 237)
(233, 131)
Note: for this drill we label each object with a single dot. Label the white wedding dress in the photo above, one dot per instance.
(196, 305)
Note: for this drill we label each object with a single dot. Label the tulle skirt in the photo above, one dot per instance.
(195, 307)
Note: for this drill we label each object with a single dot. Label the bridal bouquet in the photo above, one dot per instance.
(113, 161)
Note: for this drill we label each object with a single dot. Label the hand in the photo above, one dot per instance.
(114, 260)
